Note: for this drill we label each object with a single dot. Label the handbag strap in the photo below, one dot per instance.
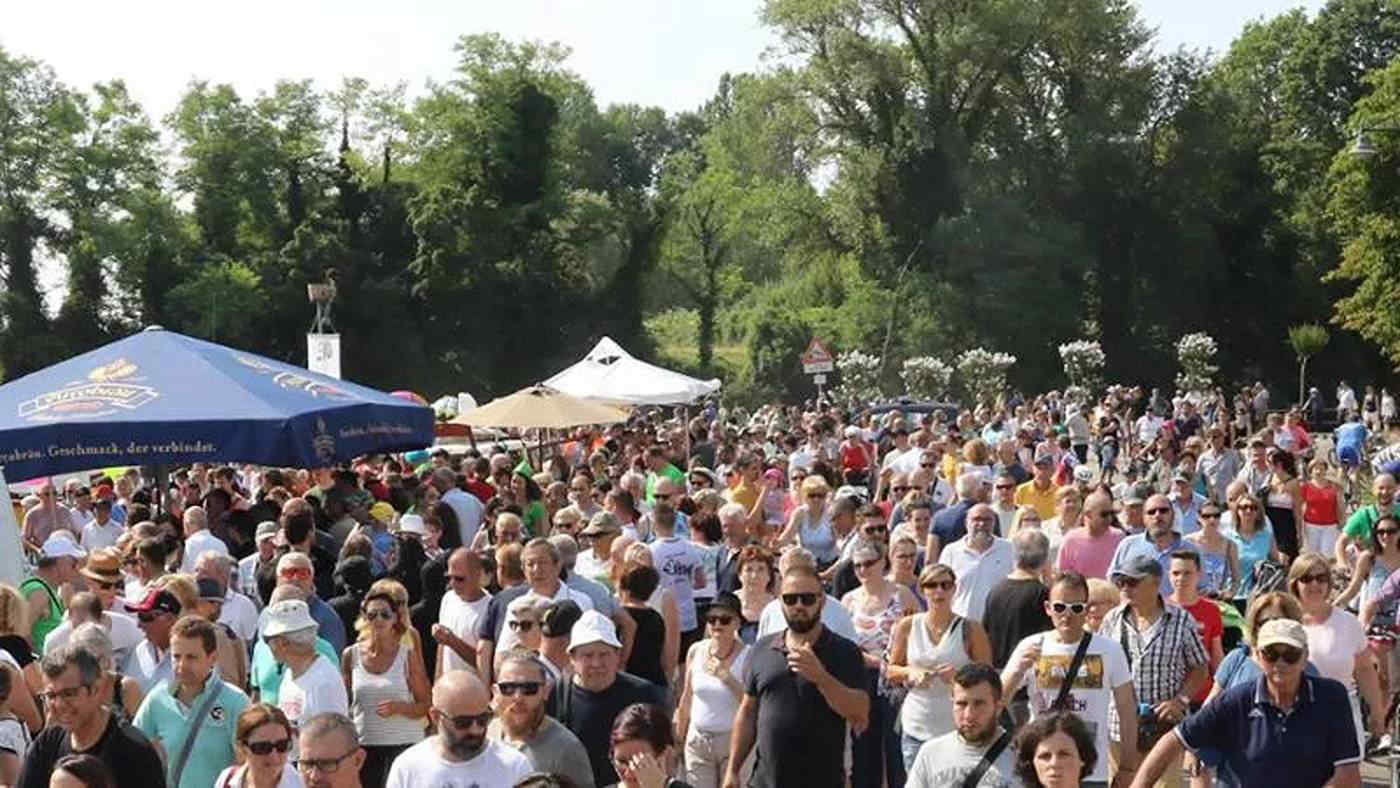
(197, 723)
(1070, 675)
(988, 758)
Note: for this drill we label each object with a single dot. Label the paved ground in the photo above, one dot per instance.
(1374, 773)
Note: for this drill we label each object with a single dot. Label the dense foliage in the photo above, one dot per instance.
(909, 180)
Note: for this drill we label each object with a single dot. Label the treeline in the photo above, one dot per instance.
(907, 179)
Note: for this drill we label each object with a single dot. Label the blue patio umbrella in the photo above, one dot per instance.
(162, 398)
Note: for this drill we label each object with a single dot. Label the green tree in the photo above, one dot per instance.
(1306, 341)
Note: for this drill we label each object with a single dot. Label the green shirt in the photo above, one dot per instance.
(164, 717)
(1359, 525)
(265, 672)
(48, 622)
(669, 471)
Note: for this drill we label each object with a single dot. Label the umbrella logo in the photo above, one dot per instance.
(101, 395)
(323, 442)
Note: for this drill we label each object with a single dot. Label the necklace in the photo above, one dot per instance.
(733, 646)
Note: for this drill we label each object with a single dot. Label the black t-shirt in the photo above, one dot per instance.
(1020, 606)
(17, 647)
(647, 643)
(125, 750)
(590, 716)
(801, 739)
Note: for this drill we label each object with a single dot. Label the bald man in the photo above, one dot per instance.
(460, 753)
(1089, 548)
(460, 612)
(981, 560)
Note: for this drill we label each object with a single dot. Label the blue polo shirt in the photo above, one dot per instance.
(1264, 745)
(1139, 544)
(162, 717)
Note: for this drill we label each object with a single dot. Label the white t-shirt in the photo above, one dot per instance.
(677, 560)
(946, 761)
(1105, 668)
(422, 765)
(461, 617)
(96, 537)
(14, 736)
(977, 573)
(1147, 427)
(1333, 646)
(198, 544)
(121, 629)
(319, 689)
(240, 614)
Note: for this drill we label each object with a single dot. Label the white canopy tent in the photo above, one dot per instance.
(611, 374)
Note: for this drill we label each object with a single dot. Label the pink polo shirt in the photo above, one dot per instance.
(1087, 555)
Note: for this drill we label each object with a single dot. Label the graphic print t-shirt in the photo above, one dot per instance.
(1105, 666)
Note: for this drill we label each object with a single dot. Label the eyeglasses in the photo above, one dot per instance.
(521, 625)
(1322, 577)
(1210, 515)
(1077, 608)
(804, 598)
(939, 585)
(513, 688)
(866, 564)
(876, 529)
(1159, 510)
(323, 765)
(1122, 581)
(1288, 655)
(69, 693)
(465, 721)
(719, 621)
(1387, 531)
(379, 614)
(266, 747)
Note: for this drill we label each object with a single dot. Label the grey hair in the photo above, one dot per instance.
(331, 722)
(303, 638)
(532, 605)
(567, 547)
(1032, 549)
(968, 485)
(539, 542)
(631, 478)
(88, 663)
(224, 563)
(732, 511)
(93, 637)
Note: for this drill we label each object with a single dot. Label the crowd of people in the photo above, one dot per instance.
(1054, 591)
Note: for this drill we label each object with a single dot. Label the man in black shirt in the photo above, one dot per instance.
(804, 686)
(1020, 604)
(589, 701)
(80, 723)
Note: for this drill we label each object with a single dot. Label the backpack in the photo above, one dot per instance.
(1268, 576)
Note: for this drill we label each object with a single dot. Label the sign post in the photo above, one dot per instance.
(817, 361)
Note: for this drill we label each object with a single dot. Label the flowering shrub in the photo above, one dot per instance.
(925, 377)
(860, 377)
(983, 373)
(1196, 354)
(1083, 360)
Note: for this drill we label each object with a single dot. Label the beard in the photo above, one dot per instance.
(801, 625)
(464, 747)
(977, 737)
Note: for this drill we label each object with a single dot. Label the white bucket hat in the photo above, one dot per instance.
(593, 627)
(289, 615)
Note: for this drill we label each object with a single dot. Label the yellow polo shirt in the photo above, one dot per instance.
(1043, 501)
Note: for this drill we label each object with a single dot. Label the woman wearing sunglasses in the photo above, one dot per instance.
(1254, 542)
(262, 738)
(1372, 569)
(1336, 641)
(386, 681)
(810, 524)
(925, 652)
(709, 699)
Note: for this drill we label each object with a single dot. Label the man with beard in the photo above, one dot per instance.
(948, 760)
(980, 559)
(1158, 542)
(460, 753)
(331, 755)
(522, 687)
(803, 688)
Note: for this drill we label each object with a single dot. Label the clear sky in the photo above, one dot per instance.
(666, 52)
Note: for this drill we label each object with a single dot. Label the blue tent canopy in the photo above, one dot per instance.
(162, 398)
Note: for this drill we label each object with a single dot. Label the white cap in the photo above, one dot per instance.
(60, 544)
(413, 524)
(853, 431)
(1083, 473)
(593, 627)
(289, 615)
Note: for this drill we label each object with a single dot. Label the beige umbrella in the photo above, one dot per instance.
(541, 407)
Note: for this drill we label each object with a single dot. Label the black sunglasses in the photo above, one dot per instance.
(719, 621)
(521, 626)
(805, 598)
(512, 688)
(463, 721)
(1280, 653)
(266, 747)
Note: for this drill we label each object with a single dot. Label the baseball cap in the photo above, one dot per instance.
(559, 618)
(1137, 493)
(1284, 631)
(727, 601)
(289, 615)
(593, 627)
(157, 600)
(1083, 473)
(266, 530)
(1181, 476)
(61, 545)
(602, 523)
(412, 524)
(1139, 567)
(382, 512)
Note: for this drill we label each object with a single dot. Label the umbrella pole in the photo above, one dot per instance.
(685, 425)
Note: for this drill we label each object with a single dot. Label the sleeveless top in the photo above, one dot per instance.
(47, 623)
(1215, 571)
(1372, 586)
(928, 711)
(369, 689)
(873, 630)
(853, 458)
(1252, 552)
(712, 705)
(820, 539)
(236, 776)
(647, 644)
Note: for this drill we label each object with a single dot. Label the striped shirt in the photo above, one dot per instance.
(1160, 657)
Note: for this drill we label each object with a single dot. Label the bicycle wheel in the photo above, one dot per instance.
(1391, 754)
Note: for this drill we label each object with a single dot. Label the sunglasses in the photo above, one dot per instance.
(521, 626)
(1159, 510)
(1077, 608)
(804, 598)
(295, 571)
(513, 688)
(1006, 486)
(464, 721)
(1288, 655)
(266, 747)
(815, 496)
(1210, 515)
(1126, 582)
(115, 584)
(939, 585)
(925, 465)
(1247, 507)
(876, 529)
(866, 564)
(1387, 531)
(379, 614)
(1317, 578)
(719, 621)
